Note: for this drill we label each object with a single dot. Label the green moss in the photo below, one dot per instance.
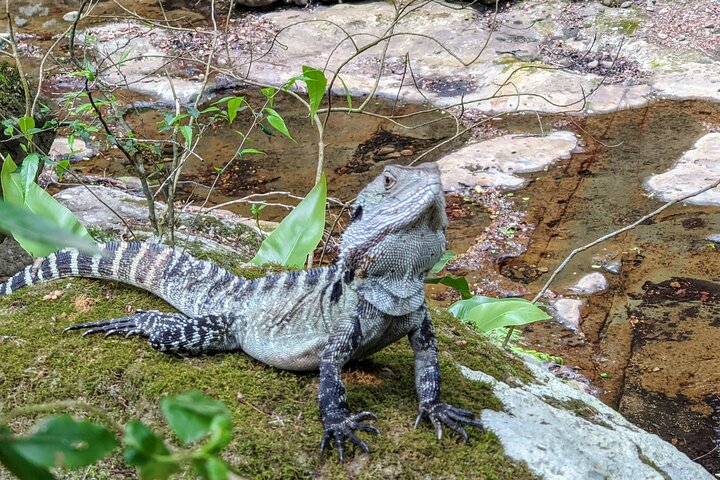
(580, 409)
(627, 26)
(276, 422)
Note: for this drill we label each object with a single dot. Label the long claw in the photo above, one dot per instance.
(341, 426)
(339, 447)
(454, 418)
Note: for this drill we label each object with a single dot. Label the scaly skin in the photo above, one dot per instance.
(309, 320)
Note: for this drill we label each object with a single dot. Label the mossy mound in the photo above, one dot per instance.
(276, 422)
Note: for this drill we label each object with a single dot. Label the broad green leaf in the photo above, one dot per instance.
(489, 313)
(458, 283)
(12, 187)
(277, 122)
(147, 451)
(299, 233)
(211, 468)
(193, 415)
(447, 256)
(316, 83)
(187, 133)
(26, 124)
(26, 229)
(18, 465)
(232, 107)
(62, 440)
(46, 235)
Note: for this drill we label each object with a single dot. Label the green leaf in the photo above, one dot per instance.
(458, 283)
(487, 313)
(247, 151)
(26, 124)
(277, 122)
(211, 468)
(28, 170)
(38, 222)
(233, 105)
(62, 440)
(148, 452)
(193, 415)
(269, 93)
(299, 233)
(187, 133)
(18, 465)
(347, 92)
(447, 256)
(316, 83)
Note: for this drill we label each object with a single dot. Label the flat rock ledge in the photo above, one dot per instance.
(561, 432)
(696, 169)
(495, 162)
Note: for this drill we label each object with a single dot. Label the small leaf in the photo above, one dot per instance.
(316, 83)
(62, 440)
(187, 133)
(458, 283)
(232, 107)
(193, 415)
(211, 468)
(347, 92)
(147, 451)
(447, 256)
(26, 124)
(299, 233)
(277, 122)
(28, 170)
(247, 151)
(269, 93)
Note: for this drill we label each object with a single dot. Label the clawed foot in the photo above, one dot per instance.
(127, 326)
(454, 418)
(340, 425)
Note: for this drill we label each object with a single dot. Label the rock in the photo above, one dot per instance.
(593, 64)
(385, 150)
(71, 16)
(627, 4)
(613, 266)
(493, 163)
(407, 152)
(33, 10)
(590, 284)
(561, 432)
(713, 237)
(20, 21)
(696, 169)
(606, 64)
(12, 257)
(60, 150)
(567, 311)
(662, 36)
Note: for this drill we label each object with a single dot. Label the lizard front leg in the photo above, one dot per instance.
(427, 383)
(337, 420)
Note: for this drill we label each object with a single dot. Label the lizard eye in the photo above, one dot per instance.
(389, 182)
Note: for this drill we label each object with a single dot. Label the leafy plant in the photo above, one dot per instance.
(20, 190)
(299, 233)
(458, 283)
(61, 441)
(487, 313)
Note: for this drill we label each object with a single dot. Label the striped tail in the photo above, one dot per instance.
(183, 281)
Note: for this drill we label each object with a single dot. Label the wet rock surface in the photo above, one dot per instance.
(563, 432)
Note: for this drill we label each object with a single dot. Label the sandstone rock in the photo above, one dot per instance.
(494, 163)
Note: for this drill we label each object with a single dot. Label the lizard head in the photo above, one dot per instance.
(397, 230)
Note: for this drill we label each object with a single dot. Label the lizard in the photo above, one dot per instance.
(316, 319)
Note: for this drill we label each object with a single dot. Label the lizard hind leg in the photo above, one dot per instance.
(168, 332)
